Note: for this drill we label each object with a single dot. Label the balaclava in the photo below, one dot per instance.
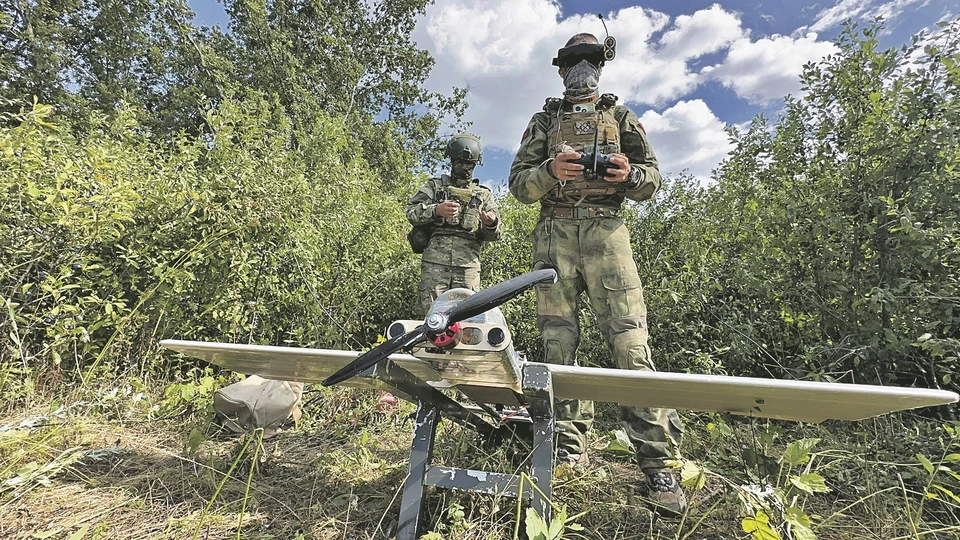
(581, 81)
(462, 170)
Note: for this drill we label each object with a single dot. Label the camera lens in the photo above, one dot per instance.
(396, 329)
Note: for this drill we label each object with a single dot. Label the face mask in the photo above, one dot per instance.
(581, 81)
(462, 170)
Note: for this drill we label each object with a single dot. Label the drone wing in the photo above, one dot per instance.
(804, 401)
(281, 363)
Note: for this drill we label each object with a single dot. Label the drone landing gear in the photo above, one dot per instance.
(538, 395)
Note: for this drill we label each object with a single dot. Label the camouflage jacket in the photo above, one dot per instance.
(452, 244)
(530, 178)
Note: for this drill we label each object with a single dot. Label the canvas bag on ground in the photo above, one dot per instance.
(256, 402)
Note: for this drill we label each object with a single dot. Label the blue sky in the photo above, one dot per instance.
(687, 69)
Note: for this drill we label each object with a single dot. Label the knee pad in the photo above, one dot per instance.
(558, 352)
(630, 350)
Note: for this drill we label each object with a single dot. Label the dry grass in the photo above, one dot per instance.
(147, 483)
(112, 470)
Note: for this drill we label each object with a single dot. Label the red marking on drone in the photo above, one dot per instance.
(447, 339)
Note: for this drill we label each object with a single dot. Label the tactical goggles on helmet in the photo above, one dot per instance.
(595, 53)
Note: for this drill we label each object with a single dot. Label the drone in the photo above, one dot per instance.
(460, 363)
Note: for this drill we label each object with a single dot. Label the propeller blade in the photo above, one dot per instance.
(492, 297)
(374, 355)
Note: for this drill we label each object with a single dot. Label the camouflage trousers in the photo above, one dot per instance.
(594, 256)
(435, 279)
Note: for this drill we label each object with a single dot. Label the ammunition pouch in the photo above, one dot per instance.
(459, 194)
(471, 218)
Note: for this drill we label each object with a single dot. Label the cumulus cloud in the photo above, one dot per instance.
(706, 31)
(687, 136)
(501, 51)
(767, 69)
(658, 72)
(490, 36)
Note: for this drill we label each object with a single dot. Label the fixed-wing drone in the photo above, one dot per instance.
(464, 344)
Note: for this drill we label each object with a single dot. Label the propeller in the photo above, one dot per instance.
(438, 323)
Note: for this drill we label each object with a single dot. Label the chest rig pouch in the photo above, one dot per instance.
(577, 128)
(469, 198)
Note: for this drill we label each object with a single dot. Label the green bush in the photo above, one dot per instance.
(116, 239)
(828, 247)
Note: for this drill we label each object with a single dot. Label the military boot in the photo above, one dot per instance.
(665, 492)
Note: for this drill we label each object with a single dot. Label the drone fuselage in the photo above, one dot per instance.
(482, 363)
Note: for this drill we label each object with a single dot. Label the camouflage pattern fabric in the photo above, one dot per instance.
(593, 256)
(453, 245)
(435, 279)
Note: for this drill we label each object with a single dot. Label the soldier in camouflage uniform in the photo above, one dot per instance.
(580, 235)
(463, 214)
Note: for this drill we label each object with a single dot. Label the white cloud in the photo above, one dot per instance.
(658, 72)
(840, 12)
(490, 36)
(768, 69)
(892, 10)
(863, 10)
(706, 31)
(501, 51)
(687, 136)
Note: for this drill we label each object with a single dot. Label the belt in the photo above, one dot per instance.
(577, 212)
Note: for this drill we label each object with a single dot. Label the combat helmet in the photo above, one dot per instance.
(465, 146)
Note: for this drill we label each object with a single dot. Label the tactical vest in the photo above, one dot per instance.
(577, 130)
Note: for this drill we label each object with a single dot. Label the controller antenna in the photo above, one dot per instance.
(610, 43)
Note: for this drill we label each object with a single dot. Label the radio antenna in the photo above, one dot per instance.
(609, 44)
(596, 147)
(600, 16)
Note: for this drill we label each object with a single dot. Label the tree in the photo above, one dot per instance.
(344, 58)
(92, 55)
(828, 247)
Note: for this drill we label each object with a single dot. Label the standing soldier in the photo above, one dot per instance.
(580, 158)
(452, 215)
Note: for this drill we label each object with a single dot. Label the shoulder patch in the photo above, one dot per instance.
(643, 129)
(531, 126)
